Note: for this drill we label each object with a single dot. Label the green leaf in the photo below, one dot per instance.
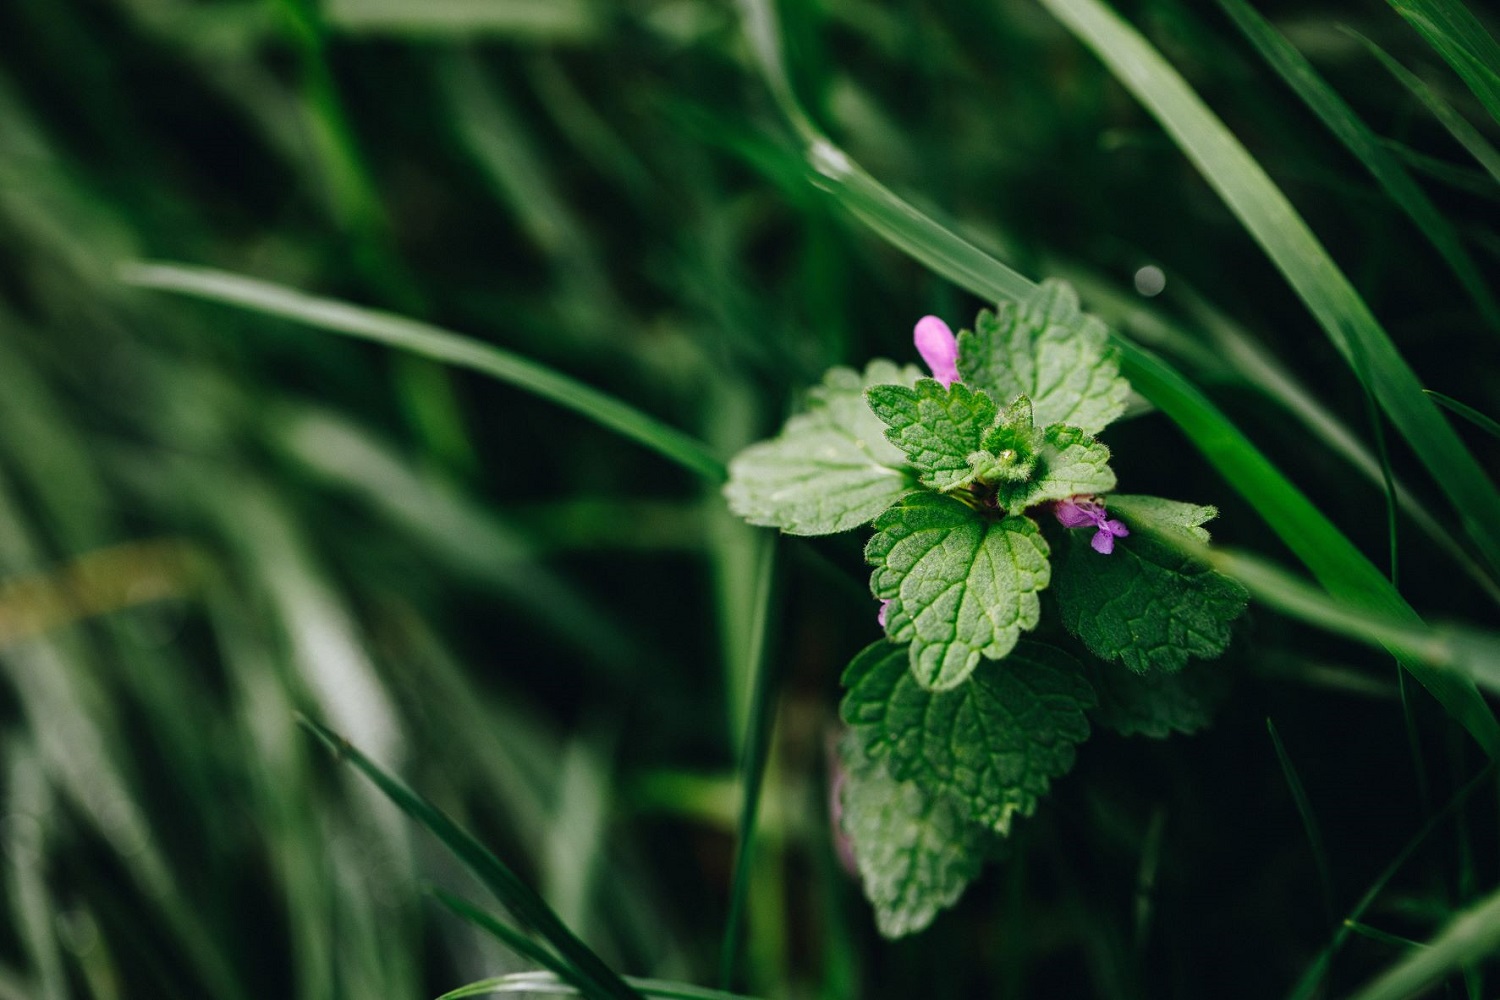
(1147, 603)
(939, 428)
(1156, 704)
(1045, 348)
(993, 744)
(1163, 515)
(831, 468)
(961, 584)
(915, 851)
(1069, 462)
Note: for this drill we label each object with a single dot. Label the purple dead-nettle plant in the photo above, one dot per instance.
(958, 718)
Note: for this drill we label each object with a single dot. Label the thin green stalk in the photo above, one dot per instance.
(509, 936)
(1312, 979)
(1457, 125)
(432, 342)
(756, 753)
(1309, 821)
(1484, 423)
(508, 887)
(1471, 936)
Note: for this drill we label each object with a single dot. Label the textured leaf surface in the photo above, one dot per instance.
(993, 744)
(961, 584)
(1046, 348)
(1068, 462)
(937, 427)
(915, 851)
(1163, 515)
(831, 468)
(1146, 604)
(1157, 704)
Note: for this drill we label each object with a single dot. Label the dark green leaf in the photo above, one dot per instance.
(915, 851)
(1147, 604)
(1156, 704)
(993, 744)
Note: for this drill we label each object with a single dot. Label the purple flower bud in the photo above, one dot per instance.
(938, 347)
(1079, 513)
(880, 615)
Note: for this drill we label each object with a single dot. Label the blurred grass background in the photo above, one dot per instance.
(211, 520)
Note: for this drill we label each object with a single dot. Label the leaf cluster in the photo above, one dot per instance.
(958, 724)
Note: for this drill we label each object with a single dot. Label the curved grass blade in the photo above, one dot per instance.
(1469, 937)
(1296, 252)
(1360, 140)
(545, 983)
(1337, 564)
(1457, 125)
(508, 887)
(1461, 40)
(1479, 420)
(510, 937)
(432, 342)
(1451, 653)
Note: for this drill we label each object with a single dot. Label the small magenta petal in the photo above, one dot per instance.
(880, 615)
(1115, 528)
(1103, 542)
(1077, 513)
(938, 347)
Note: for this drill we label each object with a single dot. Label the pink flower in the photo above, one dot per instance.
(1078, 513)
(938, 347)
(880, 615)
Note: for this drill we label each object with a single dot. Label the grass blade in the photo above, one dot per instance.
(1479, 420)
(521, 899)
(1461, 40)
(534, 20)
(1296, 252)
(544, 983)
(1468, 938)
(432, 342)
(1309, 821)
(1358, 138)
(1338, 565)
(753, 760)
(1457, 125)
(1308, 985)
(508, 936)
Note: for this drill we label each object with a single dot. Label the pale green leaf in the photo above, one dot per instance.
(831, 468)
(1044, 347)
(1147, 603)
(993, 744)
(1160, 514)
(1157, 704)
(939, 428)
(915, 851)
(961, 584)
